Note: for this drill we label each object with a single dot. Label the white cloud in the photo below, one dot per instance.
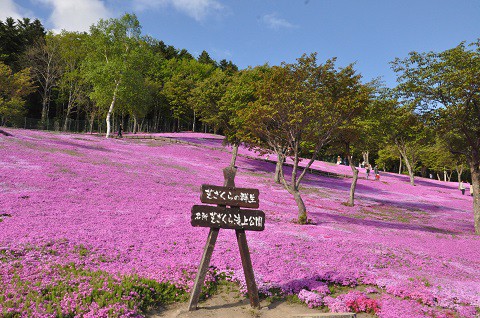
(221, 54)
(8, 8)
(197, 9)
(274, 22)
(75, 15)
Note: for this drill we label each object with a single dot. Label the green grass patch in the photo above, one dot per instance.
(315, 191)
(74, 290)
(391, 213)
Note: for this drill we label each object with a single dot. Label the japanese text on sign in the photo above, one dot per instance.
(241, 197)
(208, 216)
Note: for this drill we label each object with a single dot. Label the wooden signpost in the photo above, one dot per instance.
(217, 217)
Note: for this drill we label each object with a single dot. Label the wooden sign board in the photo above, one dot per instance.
(217, 217)
(227, 218)
(231, 196)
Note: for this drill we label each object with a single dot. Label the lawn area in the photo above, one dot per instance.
(102, 227)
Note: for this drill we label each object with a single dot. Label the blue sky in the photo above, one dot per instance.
(370, 33)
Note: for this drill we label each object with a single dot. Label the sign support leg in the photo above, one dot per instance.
(248, 268)
(202, 270)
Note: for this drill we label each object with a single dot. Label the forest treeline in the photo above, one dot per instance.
(428, 125)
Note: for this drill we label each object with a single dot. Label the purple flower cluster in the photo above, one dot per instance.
(353, 301)
(310, 298)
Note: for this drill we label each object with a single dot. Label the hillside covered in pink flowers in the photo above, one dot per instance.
(122, 207)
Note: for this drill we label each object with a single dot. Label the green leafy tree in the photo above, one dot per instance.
(73, 89)
(228, 67)
(110, 65)
(447, 85)
(181, 78)
(438, 158)
(13, 90)
(205, 58)
(239, 94)
(206, 97)
(159, 110)
(301, 105)
(43, 58)
(351, 134)
(167, 52)
(405, 129)
(388, 157)
(372, 123)
(136, 98)
(16, 37)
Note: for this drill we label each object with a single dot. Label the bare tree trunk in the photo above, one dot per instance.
(278, 168)
(70, 105)
(194, 119)
(65, 123)
(403, 153)
(365, 157)
(293, 188)
(411, 173)
(424, 171)
(45, 109)
(302, 210)
(234, 155)
(459, 170)
(92, 119)
(44, 62)
(475, 171)
(110, 110)
(351, 199)
(449, 176)
(400, 165)
(134, 130)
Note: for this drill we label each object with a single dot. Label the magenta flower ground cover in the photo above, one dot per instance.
(123, 206)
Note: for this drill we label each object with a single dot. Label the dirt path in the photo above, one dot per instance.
(229, 303)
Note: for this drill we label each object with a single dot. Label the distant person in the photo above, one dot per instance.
(377, 175)
(120, 128)
(367, 170)
(339, 160)
(471, 189)
(462, 187)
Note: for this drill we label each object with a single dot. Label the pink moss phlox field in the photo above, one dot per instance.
(123, 206)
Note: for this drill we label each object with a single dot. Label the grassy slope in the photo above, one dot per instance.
(129, 201)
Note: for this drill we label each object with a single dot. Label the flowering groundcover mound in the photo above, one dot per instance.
(101, 227)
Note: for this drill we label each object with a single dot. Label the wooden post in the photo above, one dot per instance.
(229, 176)
(248, 268)
(202, 270)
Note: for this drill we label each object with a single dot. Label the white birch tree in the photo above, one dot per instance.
(112, 46)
